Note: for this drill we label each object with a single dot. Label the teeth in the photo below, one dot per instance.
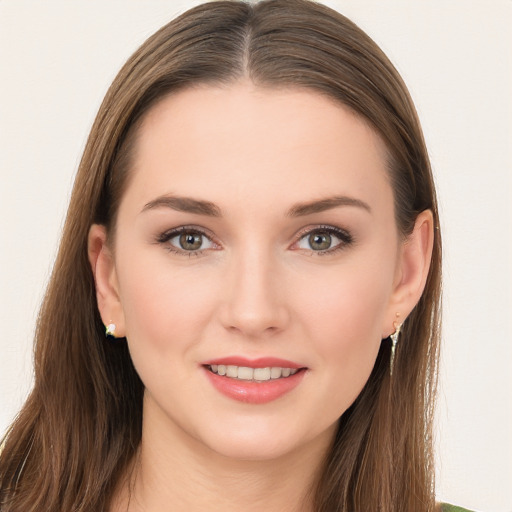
(275, 373)
(261, 373)
(257, 374)
(231, 371)
(245, 373)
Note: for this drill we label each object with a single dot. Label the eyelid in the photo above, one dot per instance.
(342, 234)
(345, 237)
(166, 236)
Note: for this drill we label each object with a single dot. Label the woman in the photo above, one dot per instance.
(254, 227)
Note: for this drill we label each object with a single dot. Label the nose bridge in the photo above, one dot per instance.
(254, 304)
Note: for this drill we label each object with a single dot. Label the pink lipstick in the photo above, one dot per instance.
(254, 381)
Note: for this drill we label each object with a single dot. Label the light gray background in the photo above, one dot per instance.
(56, 62)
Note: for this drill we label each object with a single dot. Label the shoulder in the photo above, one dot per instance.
(446, 507)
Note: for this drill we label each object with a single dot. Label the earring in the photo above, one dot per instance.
(394, 341)
(110, 330)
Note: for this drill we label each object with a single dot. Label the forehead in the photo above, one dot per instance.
(242, 141)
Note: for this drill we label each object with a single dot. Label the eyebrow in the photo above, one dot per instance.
(209, 209)
(184, 204)
(328, 203)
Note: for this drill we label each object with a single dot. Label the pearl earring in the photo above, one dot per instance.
(110, 330)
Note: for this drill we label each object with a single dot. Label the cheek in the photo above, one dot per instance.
(164, 306)
(344, 323)
(350, 309)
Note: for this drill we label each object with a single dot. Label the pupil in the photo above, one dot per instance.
(190, 241)
(320, 242)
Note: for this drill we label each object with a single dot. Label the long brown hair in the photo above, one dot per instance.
(81, 425)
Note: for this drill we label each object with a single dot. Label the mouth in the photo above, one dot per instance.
(254, 381)
(246, 373)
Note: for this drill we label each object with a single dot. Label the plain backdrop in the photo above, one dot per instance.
(57, 60)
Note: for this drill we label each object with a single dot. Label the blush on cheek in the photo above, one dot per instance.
(340, 309)
(162, 303)
(346, 328)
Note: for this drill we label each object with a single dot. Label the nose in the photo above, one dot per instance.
(254, 302)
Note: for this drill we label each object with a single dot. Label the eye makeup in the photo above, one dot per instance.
(320, 235)
(194, 241)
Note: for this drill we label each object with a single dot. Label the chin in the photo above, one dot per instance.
(266, 443)
(256, 451)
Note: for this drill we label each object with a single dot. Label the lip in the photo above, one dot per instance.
(251, 392)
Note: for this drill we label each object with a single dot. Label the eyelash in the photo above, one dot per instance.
(165, 237)
(344, 236)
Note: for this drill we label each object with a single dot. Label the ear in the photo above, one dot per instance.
(105, 279)
(412, 272)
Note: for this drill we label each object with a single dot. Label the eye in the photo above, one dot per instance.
(326, 239)
(189, 241)
(185, 240)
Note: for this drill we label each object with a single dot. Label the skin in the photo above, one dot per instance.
(255, 288)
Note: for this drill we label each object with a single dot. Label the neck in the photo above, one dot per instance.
(173, 471)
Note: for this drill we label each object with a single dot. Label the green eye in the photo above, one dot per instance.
(190, 241)
(320, 241)
(325, 240)
(186, 241)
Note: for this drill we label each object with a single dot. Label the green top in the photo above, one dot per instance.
(445, 507)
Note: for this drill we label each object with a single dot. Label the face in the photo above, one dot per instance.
(257, 231)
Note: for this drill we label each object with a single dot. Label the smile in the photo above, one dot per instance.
(254, 381)
(252, 374)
